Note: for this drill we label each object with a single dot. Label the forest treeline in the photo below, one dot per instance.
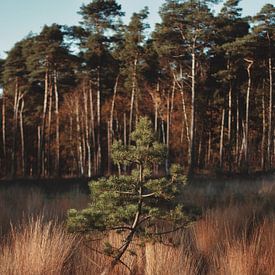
(204, 78)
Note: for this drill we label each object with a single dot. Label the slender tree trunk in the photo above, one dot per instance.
(4, 130)
(38, 145)
(209, 149)
(92, 114)
(237, 131)
(168, 131)
(229, 126)
(98, 122)
(49, 129)
(79, 142)
(71, 147)
(87, 136)
(270, 124)
(221, 139)
(263, 158)
(15, 126)
(191, 158)
(125, 129)
(110, 127)
(134, 80)
(41, 158)
(22, 138)
(57, 153)
(246, 157)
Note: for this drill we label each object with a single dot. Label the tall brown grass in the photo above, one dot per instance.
(234, 236)
(37, 248)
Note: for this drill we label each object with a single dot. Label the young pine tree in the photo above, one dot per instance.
(133, 204)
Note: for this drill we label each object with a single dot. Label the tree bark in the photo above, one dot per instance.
(270, 124)
(15, 126)
(191, 157)
(250, 64)
(98, 123)
(87, 136)
(4, 130)
(263, 158)
(22, 138)
(134, 76)
(57, 153)
(221, 139)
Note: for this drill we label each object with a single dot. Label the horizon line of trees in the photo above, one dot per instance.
(205, 80)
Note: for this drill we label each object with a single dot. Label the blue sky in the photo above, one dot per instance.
(19, 17)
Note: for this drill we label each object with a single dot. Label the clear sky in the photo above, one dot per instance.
(19, 17)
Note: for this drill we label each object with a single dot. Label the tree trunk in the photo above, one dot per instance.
(41, 159)
(110, 127)
(250, 64)
(263, 158)
(79, 142)
(87, 136)
(22, 138)
(15, 126)
(237, 150)
(92, 114)
(191, 157)
(98, 123)
(221, 139)
(4, 131)
(270, 124)
(57, 153)
(49, 130)
(134, 76)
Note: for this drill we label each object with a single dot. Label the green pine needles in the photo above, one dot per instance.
(136, 203)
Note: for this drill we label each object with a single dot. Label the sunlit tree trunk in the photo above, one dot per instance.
(15, 126)
(92, 115)
(57, 140)
(23, 167)
(110, 126)
(79, 142)
(87, 136)
(270, 124)
(49, 129)
(191, 157)
(250, 64)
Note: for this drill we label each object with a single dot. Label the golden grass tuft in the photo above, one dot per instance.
(37, 248)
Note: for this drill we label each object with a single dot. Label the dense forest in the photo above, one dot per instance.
(205, 79)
